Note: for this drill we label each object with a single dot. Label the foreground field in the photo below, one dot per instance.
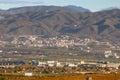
(112, 76)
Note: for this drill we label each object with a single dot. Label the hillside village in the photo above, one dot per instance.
(32, 50)
(39, 46)
(108, 49)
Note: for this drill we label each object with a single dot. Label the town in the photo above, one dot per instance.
(57, 55)
(55, 67)
(35, 43)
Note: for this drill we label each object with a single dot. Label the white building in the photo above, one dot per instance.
(42, 64)
(113, 65)
(28, 74)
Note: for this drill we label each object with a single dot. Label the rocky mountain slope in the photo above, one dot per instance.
(99, 25)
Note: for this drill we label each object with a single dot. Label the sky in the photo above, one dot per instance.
(93, 5)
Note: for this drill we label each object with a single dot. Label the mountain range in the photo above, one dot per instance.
(55, 20)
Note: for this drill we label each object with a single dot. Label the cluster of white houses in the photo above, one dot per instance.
(110, 54)
(63, 41)
(61, 64)
(79, 64)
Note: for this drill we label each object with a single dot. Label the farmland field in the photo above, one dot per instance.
(112, 76)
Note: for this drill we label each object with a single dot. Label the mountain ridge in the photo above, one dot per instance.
(98, 25)
(20, 10)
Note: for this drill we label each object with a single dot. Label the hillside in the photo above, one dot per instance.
(99, 25)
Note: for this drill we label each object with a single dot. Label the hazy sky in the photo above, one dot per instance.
(93, 5)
